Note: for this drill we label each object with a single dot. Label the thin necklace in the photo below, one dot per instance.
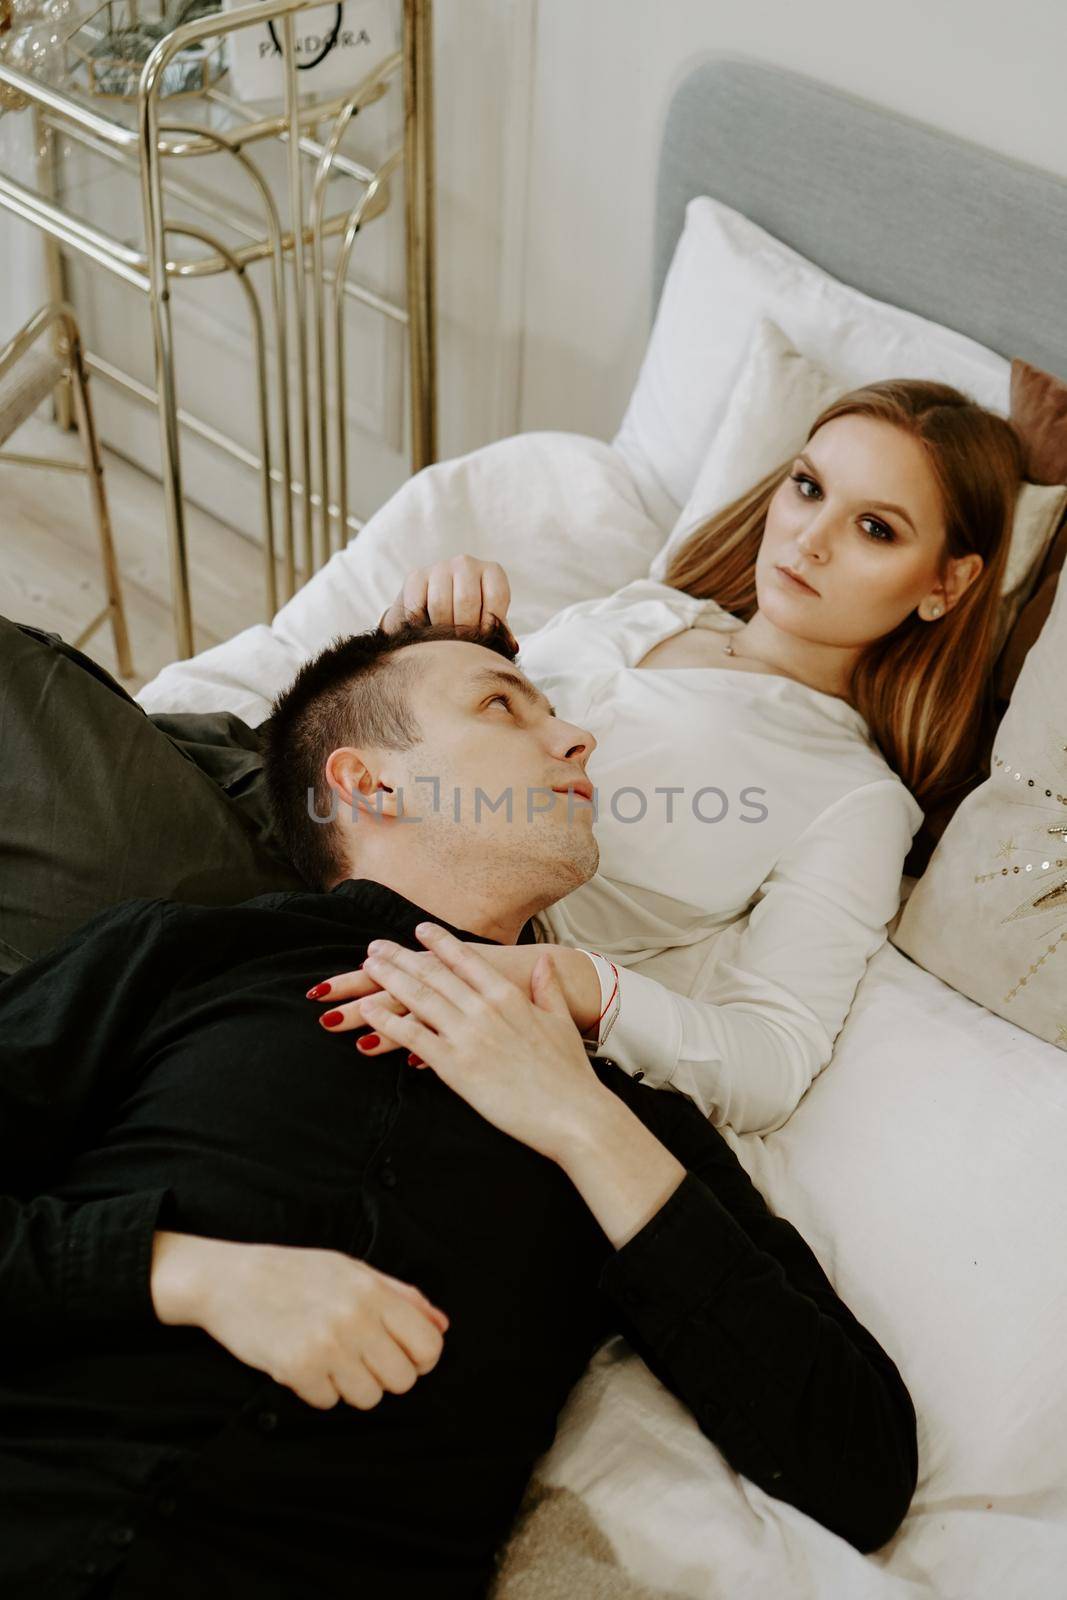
(728, 649)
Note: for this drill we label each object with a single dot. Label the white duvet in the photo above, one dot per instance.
(926, 1166)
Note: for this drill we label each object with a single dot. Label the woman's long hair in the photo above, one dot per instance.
(921, 688)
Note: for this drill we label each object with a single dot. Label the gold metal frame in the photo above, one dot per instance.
(61, 318)
(144, 150)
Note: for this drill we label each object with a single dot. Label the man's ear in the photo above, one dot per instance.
(357, 779)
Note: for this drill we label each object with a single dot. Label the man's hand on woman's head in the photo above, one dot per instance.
(461, 591)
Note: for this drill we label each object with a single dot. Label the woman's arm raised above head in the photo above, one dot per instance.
(763, 1022)
(462, 591)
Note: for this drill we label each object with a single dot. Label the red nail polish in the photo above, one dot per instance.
(368, 1041)
(332, 1018)
(415, 1061)
(318, 991)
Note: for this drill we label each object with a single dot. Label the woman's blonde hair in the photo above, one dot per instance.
(922, 688)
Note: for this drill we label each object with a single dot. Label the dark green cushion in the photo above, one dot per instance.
(101, 803)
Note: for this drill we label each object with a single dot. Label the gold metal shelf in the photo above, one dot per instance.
(317, 506)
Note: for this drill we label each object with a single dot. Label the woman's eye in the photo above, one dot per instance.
(804, 484)
(808, 489)
(504, 699)
(880, 532)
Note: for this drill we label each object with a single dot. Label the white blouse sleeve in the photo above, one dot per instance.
(779, 988)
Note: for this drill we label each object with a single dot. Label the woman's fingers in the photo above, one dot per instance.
(343, 986)
(439, 596)
(466, 593)
(383, 1035)
(408, 1032)
(459, 592)
(440, 999)
(413, 594)
(347, 1018)
(344, 1018)
(416, 971)
(496, 592)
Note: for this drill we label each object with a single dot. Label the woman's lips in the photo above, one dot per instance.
(795, 582)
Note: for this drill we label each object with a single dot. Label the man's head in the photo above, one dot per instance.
(426, 760)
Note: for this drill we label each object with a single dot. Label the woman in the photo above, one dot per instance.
(771, 721)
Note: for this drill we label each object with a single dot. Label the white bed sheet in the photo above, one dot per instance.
(925, 1166)
(561, 511)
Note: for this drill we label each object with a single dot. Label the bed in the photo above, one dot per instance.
(925, 1165)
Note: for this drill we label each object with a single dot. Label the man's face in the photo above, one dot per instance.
(498, 782)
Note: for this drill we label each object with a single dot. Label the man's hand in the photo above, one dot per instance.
(345, 991)
(328, 1327)
(521, 1065)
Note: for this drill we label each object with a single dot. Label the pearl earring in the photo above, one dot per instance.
(935, 611)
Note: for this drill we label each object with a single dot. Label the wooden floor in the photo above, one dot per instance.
(50, 568)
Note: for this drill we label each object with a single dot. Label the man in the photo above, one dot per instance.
(285, 1321)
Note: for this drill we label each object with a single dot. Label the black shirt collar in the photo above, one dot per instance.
(400, 917)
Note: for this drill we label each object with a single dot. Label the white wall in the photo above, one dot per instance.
(604, 71)
(21, 269)
(549, 116)
(483, 60)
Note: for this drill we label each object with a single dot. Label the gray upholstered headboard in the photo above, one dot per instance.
(907, 214)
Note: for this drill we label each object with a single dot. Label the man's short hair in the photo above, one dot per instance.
(352, 693)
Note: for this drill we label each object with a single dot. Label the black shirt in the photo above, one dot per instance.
(162, 1069)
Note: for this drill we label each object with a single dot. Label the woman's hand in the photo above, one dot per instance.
(519, 1062)
(462, 591)
(348, 991)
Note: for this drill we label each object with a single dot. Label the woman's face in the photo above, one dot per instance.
(860, 520)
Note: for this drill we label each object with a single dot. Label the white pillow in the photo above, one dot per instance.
(558, 511)
(726, 274)
(777, 397)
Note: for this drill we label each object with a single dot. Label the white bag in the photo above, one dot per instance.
(336, 46)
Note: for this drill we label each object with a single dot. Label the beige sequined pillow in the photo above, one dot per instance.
(989, 915)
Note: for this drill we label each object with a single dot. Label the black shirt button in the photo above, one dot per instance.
(634, 1298)
(167, 1506)
(639, 1077)
(267, 1421)
(388, 1177)
(122, 1536)
(90, 1568)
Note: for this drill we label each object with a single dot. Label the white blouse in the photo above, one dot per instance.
(752, 839)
